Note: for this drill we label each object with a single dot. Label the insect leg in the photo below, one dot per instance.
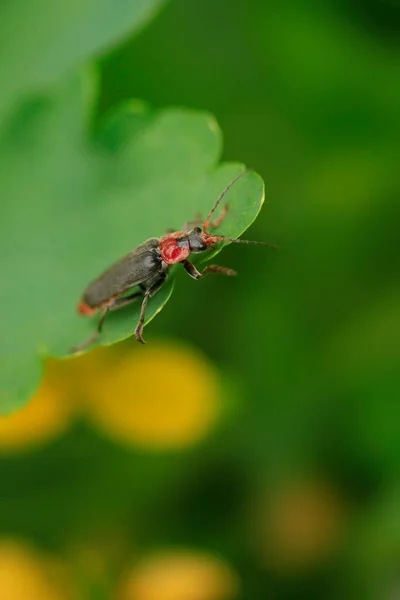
(96, 334)
(217, 222)
(197, 222)
(147, 295)
(118, 303)
(193, 272)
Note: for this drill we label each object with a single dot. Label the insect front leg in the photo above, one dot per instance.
(193, 272)
(151, 291)
(198, 222)
(217, 222)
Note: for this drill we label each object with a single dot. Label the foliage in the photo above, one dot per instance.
(74, 206)
(284, 463)
(66, 34)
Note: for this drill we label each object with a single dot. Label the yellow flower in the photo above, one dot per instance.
(45, 416)
(166, 395)
(301, 524)
(26, 575)
(162, 396)
(180, 575)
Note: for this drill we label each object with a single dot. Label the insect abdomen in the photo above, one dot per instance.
(85, 309)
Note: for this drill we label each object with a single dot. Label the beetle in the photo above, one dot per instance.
(147, 267)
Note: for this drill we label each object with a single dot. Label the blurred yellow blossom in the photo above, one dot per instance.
(166, 395)
(45, 416)
(180, 575)
(26, 575)
(301, 524)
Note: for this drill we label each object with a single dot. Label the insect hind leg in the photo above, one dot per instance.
(95, 335)
(114, 305)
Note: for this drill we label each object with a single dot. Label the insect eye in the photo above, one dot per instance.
(197, 229)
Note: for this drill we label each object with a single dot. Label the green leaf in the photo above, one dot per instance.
(71, 207)
(42, 39)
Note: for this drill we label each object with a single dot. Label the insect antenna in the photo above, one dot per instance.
(222, 194)
(235, 241)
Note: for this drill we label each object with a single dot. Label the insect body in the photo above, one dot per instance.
(147, 266)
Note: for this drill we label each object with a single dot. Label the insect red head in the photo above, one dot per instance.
(174, 247)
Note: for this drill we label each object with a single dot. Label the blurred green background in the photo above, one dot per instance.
(292, 482)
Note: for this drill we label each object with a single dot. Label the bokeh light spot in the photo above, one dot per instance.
(44, 417)
(26, 575)
(161, 396)
(180, 575)
(302, 525)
